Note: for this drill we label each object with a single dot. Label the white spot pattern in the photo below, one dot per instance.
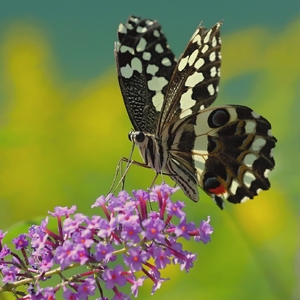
(204, 49)
(214, 41)
(250, 127)
(211, 89)
(233, 187)
(159, 48)
(255, 115)
(194, 79)
(249, 159)
(158, 100)
(244, 199)
(122, 29)
(186, 101)
(129, 26)
(156, 33)
(197, 39)
(146, 56)
(258, 143)
(207, 37)
(141, 29)
(157, 83)
(124, 49)
(152, 69)
(266, 173)
(141, 45)
(193, 57)
(212, 56)
(199, 161)
(199, 63)
(248, 178)
(149, 22)
(166, 62)
(213, 72)
(183, 63)
(128, 70)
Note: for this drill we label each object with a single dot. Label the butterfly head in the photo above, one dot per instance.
(136, 136)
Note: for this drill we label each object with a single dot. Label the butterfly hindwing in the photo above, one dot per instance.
(231, 152)
(145, 65)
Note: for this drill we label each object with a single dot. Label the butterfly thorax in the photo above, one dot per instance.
(150, 149)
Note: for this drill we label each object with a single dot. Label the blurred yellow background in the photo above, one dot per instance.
(61, 135)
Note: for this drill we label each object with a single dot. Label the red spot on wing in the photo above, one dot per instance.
(218, 190)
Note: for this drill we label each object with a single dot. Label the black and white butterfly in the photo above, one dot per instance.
(226, 150)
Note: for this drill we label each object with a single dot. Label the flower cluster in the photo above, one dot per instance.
(125, 247)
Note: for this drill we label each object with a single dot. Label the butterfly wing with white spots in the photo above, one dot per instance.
(227, 150)
(145, 65)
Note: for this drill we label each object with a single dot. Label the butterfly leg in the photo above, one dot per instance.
(121, 182)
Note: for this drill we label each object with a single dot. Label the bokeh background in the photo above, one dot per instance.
(63, 128)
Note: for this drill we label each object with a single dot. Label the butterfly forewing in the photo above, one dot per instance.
(145, 65)
(194, 83)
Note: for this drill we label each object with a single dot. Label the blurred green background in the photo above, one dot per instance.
(63, 128)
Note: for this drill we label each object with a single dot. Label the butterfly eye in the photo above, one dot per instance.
(140, 137)
(218, 118)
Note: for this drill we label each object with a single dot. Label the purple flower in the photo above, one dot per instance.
(41, 294)
(9, 274)
(38, 239)
(60, 211)
(71, 225)
(130, 232)
(94, 223)
(184, 228)
(4, 252)
(2, 235)
(100, 201)
(127, 216)
(175, 209)
(65, 254)
(157, 284)
(188, 262)
(20, 242)
(160, 192)
(136, 284)
(205, 230)
(142, 197)
(87, 288)
(81, 255)
(104, 252)
(46, 263)
(161, 257)
(153, 229)
(135, 258)
(83, 238)
(69, 295)
(114, 277)
(144, 244)
(124, 197)
(106, 228)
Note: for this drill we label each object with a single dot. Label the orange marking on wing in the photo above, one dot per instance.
(218, 190)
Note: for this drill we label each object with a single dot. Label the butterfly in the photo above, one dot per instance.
(226, 150)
